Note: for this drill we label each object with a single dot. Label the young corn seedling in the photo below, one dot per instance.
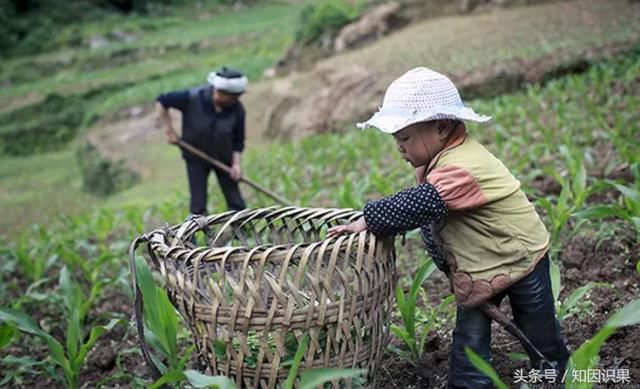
(585, 357)
(34, 253)
(161, 327)
(72, 354)
(412, 335)
(571, 199)
(574, 303)
(628, 209)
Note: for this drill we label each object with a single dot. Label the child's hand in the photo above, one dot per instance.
(355, 227)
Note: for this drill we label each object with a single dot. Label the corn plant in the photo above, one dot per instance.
(574, 303)
(91, 265)
(34, 253)
(628, 209)
(72, 354)
(586, 355)
(161, 323)
(412, 337)
(571, 199)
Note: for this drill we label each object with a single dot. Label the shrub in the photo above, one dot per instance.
(102, 176)
(324, 17)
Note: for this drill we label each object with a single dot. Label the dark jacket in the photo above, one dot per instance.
(218, 134)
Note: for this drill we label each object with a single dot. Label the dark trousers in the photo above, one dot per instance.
(533, 311)
(198, 174)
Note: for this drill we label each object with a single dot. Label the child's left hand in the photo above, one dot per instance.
(352, 228)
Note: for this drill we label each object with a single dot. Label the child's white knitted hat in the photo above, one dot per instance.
(420, 95)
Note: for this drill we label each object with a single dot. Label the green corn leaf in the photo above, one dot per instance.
(628, 192)
(403, 305)
(73, 334)
(7, 333)
(636, 224)
(404, 335)
(185, 357)
(585, 356)
(168, 377)
(599, 212)
(554, 272)
(199, 380)
(580, 184)
(425, 270)
(94, 335)
(562, 205)
(484, 367)
(546, 205)
(312, 378)
(629, 315)
(297, 359)
(520, 357)
(159, 314)
(401, 353)
(22, 321)
(576, 296)
(25, 323)
(638, 266)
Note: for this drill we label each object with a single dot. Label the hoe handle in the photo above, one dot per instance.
(219, 165)
(496, 314)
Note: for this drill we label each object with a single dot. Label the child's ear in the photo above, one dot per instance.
(444, 128)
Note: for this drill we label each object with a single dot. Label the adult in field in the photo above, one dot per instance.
(213, 120)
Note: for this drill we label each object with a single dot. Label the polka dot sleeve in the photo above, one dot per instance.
(432, 248)
(405, 210)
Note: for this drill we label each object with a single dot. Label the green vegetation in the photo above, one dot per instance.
(65, 268)
(102, 176)
(324, 17)
(70, 356)
(417, 320)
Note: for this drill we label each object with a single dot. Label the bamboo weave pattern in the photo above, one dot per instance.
(266, 278)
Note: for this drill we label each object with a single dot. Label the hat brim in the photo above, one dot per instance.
(390, 122)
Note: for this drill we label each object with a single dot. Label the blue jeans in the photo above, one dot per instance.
(533, 311)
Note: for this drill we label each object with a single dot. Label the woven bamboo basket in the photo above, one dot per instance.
(265, 279)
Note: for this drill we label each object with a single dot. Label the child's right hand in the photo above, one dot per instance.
(352, 228)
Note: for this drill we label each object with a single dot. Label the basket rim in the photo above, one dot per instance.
(176, 236)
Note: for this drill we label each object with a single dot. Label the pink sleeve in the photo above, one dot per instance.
(457, 187)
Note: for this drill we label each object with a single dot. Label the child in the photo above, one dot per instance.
(477, 224)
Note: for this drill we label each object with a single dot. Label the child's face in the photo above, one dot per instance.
(419, 143)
